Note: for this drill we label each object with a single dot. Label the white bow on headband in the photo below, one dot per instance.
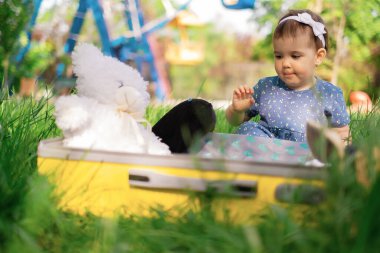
(305, 18)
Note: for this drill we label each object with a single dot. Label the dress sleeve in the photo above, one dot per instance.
(337, 112)
(254, 109)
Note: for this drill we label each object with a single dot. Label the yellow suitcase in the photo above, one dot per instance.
(111, 183)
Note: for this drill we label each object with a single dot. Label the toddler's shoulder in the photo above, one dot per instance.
(328, 87)
(267, 82)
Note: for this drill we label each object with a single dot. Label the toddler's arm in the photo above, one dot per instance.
(344, 133)
(242, 100)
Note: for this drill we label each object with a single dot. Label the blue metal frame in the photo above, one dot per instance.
(32, 22)
(133, 47)
(137, 48)
(76, 26)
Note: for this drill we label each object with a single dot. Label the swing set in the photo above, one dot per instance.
(186, 51)
(134, 45)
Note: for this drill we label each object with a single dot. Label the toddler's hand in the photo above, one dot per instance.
(242, 98)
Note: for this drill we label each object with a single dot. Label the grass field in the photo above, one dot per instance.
(349, 221)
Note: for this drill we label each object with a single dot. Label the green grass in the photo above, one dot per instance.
(348, 221)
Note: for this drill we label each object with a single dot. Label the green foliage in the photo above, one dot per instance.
(23, 123)
(36, 60)
(363, 22)
(222, 126)
(14, 16)
(207, 79)
(366, 128)
(263, 50)
(154, 113)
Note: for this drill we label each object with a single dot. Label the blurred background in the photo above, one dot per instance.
(183, 48)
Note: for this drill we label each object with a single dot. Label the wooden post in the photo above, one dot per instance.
(28, 86)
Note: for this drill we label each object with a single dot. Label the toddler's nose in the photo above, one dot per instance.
(285, 63)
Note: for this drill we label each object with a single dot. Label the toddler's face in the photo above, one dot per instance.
(295, 60)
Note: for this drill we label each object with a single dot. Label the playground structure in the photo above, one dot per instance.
(185, 52)
(135, 46)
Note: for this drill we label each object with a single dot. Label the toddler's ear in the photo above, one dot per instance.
(320, 55)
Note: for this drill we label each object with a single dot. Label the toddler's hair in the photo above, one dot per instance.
(292, 27)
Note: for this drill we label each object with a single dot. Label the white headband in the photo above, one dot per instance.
(305, 18)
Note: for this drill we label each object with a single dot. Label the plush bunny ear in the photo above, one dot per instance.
(87, 59)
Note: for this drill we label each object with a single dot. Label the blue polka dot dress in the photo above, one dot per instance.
(284, 112)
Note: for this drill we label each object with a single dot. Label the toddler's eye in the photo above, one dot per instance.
(296, 56)
(278, 56)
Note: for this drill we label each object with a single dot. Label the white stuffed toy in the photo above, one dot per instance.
(108, 111)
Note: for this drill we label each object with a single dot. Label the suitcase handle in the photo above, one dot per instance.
(155, 180)
(300, 193)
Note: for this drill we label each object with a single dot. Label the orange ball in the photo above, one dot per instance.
(359, 97)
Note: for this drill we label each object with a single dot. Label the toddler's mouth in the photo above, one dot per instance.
(288, 75)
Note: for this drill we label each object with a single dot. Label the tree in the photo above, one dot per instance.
(356, 30)
(363, 31)
(14, 16)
